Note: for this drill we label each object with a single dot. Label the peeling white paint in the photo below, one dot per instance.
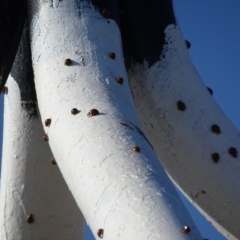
(125, 193)
(184, 140)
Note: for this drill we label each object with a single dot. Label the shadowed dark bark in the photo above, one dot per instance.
(142, 27)
(13, 14)
(22, 72)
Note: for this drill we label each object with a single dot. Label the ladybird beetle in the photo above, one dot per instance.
(216, 129)
(68, 62)
(215, 157)
(53, 161)
(186, 229)
(112, 55)
(136, 149)
(74, 111)
(93, 112)
(100, 232)
(119, 80)
(45, 137)
(48, 122)
(30, 218)
(233, 152)
(181, 105)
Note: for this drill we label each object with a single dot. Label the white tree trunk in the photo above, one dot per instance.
(35, 202)
(197, 144)
(107, 162)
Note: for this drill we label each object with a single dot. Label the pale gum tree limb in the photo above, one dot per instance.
(35, 202)
(122, 193)
(196, 142)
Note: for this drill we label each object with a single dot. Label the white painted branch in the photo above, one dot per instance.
(35, 202)
(123, 194)
(30, 184)
(197, 143)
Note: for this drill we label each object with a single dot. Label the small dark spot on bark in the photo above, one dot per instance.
(68, 62)
(119, 80)
(100, 232)
(188, 44)
(210, 90)
(48, 122)
(216, 129)
(186, 229)
(53, 161)
(136, 149)
(233, 152)
(30, 218)
(112, 55)
(93, 112)
(181, 106)
(215, 157)
(45, 137)
(74, 111)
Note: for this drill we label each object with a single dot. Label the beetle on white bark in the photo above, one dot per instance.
(197, 144)
(105, 159)
(35, 202)
(90, 57)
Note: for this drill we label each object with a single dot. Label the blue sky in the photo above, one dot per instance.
(213, 28)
